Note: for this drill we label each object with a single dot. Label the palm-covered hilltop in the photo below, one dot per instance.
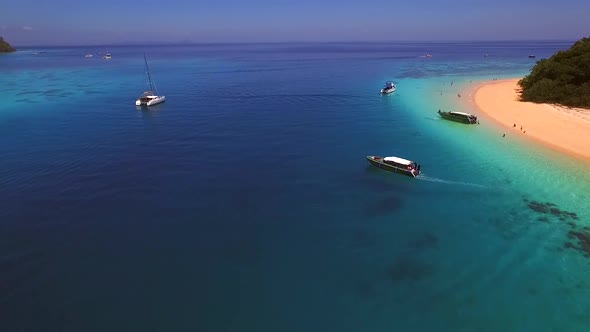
(562, 79)
(5, 46)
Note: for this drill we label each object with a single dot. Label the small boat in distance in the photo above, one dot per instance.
(389, 88)
(151, 96)
(396, 165)
(459, 117)
(88, 56)
(429, 55)
(532, 56)
(107, 56)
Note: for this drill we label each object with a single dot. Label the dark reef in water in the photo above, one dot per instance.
(583, 242)
(373, 179)
(365, 289)
(533, 291)
(362, 239)
(546, 208)
(582, 236)
(405, 269)
(569, 245)
(384, 207)
(423, 241)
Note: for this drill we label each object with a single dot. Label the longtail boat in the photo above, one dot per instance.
(459, 117)
(396, 165)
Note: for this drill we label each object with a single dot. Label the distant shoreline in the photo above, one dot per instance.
(287, 42)
(5, 46)
(561, 128)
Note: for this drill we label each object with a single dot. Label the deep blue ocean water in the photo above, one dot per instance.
(244, 203)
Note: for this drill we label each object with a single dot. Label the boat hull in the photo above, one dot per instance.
(455, 119)
(151, 102)
(156, 101)
(387, 91)
(378, 162)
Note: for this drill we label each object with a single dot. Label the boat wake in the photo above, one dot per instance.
(431, 118)
(459, 183)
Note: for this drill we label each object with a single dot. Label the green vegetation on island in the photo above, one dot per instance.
(562, 79)
(5, 46)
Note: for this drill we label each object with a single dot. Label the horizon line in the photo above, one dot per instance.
(190, 43)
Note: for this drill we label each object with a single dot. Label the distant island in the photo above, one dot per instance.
(5, 46)
(562, 79)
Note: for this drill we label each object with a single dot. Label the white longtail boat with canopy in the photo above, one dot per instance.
(389, 88)
(396, 165)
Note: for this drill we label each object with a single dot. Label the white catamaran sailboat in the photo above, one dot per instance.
(151, 96)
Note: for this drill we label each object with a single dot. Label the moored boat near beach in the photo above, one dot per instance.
(396, 165)
(389, 88)
(459, 117)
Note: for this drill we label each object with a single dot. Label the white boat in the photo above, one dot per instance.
(88, 56)
(107, 56)
(389, 88)
(396, 165)
(151, 96)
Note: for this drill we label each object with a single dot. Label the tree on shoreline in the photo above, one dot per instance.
(562, 79)
(5, 46)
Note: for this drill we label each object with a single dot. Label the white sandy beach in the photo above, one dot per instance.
(561, 128)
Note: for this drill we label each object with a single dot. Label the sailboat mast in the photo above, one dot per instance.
(148, 73)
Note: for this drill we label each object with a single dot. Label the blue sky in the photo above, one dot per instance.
(69, 22)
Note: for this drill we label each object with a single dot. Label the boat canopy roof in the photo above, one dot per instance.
(389, 84)
(398, 160)
(461, 113)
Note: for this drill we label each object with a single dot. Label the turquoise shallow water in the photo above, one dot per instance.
(245, 203)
